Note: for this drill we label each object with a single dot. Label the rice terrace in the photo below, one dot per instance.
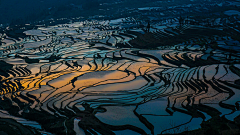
(120, 67)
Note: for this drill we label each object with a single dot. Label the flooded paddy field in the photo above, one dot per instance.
(88, 78)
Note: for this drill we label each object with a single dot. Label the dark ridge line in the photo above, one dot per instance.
(121, 92)
(169, 60)
(20, 71)
(154, 81)
(95, 85)
(190, 111)
(74, 107)
(184, 85)
(102, 62)
(196, 84)
(127, 35)
(123, 65)
(204, 85)
(231, 92)
(96, 66)
(26, 70)
(168, 110)
(104, 80)
(41, 68)
(120, 52)
(180, 87)
(176, 126)
(188, 101)
(235, 70)
(160, 76)
(115, 35)
(191, 86)
(60, 99)
(227, 106)
(26, 98)
(40, 95)
(136, 56)
(144, 120)
(108, 64)
(207, 98)
(177, 76)
(208, 110)
(154, 115)
(185, 74)
(11, 72)
(146, 55)
(47, 105)
(230, 84)
(172, 92)
(191, 70)
(57, 110)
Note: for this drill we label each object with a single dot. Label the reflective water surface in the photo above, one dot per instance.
(76, 79)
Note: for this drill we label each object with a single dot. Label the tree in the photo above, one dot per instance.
(181, 20)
